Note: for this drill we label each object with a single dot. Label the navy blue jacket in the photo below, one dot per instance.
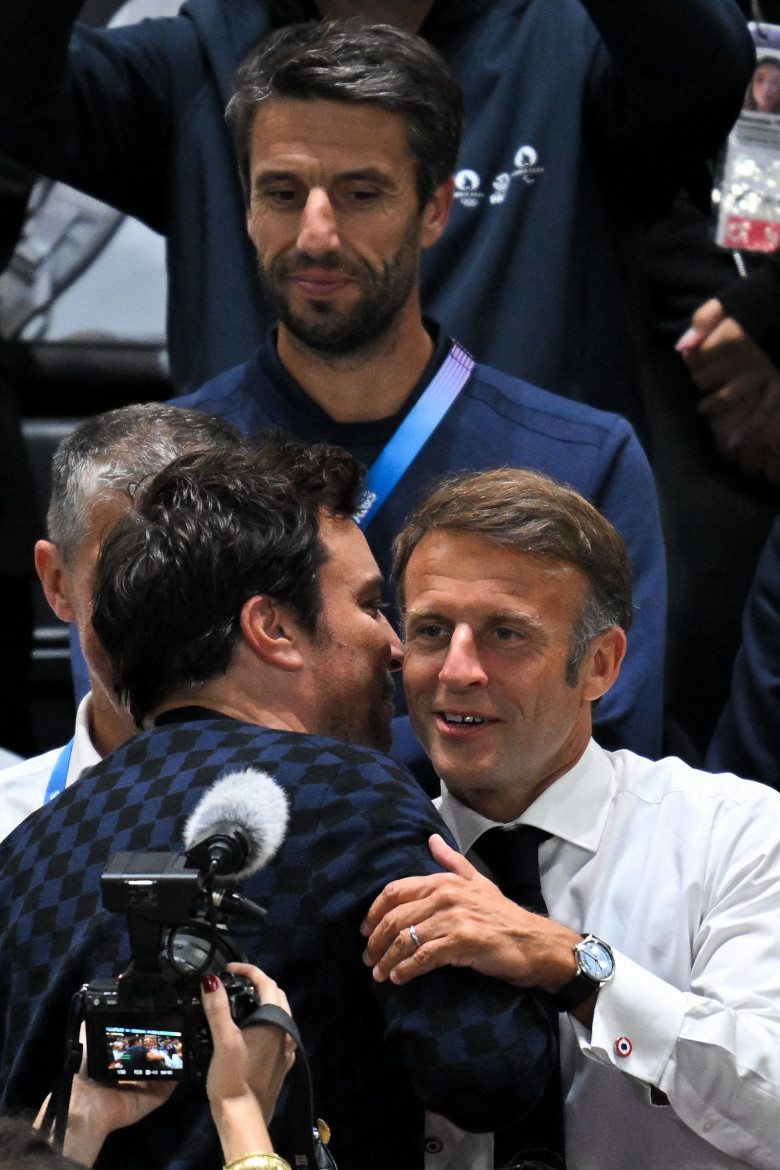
(747, 738)
(497, 420)
(469, 1047)
(579, 118)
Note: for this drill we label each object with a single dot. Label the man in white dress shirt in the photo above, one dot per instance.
(517, 594)
(92, 469)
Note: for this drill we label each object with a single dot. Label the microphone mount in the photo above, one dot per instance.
(224, 852)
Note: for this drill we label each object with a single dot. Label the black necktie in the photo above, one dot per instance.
(512, 856)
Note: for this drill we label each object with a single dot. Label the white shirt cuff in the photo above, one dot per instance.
(636, 1023)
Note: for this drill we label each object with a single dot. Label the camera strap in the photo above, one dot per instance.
(296, 1131)
(55, 1119)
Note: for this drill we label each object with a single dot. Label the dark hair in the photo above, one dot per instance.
(532, 513)
(23, 1146)
(207, 533)
(108, 452)
(347, 61)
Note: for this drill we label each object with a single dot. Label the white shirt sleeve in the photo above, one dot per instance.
(714, 1050)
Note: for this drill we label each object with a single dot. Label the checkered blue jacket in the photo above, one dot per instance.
(453, 1041)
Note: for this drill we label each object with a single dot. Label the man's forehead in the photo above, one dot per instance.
(471, 556)
(293, 129)
(454, 567)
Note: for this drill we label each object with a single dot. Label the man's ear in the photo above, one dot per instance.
(55, 579)
(436, 213)
(268, 630)
(602, 663)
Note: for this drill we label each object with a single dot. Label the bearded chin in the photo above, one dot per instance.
(335, 332)
(326, 329)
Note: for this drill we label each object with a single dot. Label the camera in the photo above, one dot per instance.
(148, 1024)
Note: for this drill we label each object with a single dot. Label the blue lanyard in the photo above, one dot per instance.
(59, 774)
(413, 433)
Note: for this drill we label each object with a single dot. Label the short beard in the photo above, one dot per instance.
(371, 319)
(373, 729)
(376, 732)
(368, 726)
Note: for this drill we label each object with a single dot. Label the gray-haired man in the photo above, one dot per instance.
(92, 469)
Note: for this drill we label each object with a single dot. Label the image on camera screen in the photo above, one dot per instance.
(139, 1054)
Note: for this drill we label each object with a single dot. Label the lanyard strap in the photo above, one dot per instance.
(413, 433)
(59, 774)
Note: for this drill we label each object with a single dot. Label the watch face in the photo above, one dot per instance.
(595, 960)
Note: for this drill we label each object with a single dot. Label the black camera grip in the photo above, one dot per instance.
(55, 1119)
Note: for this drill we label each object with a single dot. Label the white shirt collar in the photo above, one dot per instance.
(574, 807)
(84, 754)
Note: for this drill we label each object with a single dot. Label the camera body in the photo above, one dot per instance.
(132, 1036)
(131, 1042)
(148, 1024)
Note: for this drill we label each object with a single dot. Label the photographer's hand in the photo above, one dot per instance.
(96, 1110)
(247, 1069)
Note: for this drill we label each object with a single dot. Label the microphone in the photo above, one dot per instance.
(238, 825)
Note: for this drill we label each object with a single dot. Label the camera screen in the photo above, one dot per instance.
(139, 1054)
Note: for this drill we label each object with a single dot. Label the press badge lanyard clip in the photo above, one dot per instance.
(59, 774)
(414, 432)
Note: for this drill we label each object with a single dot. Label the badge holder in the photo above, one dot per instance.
(747, 197)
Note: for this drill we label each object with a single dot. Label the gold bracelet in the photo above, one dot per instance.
(258, 1161)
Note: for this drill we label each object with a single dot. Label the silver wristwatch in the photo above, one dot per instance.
(595, 967)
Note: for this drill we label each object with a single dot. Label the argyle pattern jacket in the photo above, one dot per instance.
(454, 1042)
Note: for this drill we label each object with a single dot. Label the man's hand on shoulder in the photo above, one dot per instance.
(462, 919)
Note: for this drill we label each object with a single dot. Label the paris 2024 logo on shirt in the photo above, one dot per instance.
(471, 190)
